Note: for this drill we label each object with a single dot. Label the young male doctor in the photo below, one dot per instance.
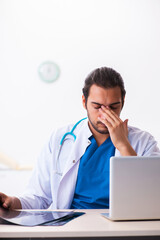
(73, 168)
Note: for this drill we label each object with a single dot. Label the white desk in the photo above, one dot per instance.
(90, 225)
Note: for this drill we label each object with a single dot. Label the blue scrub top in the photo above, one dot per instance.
(92, 187)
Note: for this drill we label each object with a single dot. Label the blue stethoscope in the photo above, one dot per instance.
(61, 143)
(71, 132)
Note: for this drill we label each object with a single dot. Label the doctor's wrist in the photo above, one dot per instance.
(127, 150)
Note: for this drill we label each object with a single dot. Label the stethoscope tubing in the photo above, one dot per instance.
(61, 143)
(71, 132)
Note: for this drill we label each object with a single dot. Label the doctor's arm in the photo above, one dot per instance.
(37, 194)
(38, 191)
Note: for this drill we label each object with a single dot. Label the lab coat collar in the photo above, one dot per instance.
(87, 130)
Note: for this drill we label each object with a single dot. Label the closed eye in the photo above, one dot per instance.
(113, 108)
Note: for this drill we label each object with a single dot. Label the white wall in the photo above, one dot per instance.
(79, 35)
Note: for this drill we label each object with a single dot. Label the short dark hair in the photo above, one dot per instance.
(104, 77)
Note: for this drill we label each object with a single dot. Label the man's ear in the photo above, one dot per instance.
(84, 101)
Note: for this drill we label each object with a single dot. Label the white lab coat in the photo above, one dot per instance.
(47, 187)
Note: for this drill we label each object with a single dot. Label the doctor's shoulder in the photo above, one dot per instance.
(59, 133)
(142, 141)
(134, 132)
(67, 131)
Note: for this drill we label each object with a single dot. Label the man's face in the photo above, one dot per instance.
(99, 96)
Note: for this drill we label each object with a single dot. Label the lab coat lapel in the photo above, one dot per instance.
(79, 146)
(68, 181)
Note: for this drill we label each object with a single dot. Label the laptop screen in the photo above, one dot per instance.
(134, 187)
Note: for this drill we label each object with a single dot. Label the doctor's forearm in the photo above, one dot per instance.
(127, 150)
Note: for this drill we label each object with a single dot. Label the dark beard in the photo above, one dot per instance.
(95, 128)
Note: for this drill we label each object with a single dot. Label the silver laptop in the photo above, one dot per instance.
(134, 188)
